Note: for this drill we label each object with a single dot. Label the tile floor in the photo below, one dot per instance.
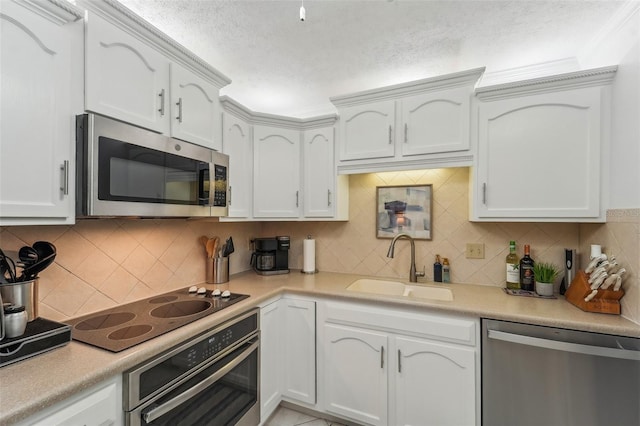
(287, 417)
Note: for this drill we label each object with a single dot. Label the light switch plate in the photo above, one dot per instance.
(475, 251)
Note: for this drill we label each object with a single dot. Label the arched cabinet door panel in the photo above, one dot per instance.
(367, 131)
(40, 97)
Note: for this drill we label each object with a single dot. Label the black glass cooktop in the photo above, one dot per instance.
(122, 327)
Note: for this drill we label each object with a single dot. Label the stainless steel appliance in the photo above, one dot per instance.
(210, 380)
(123, 170)
(124, 326)
(271, 255)
(534, 375)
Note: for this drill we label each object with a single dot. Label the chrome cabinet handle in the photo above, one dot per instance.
(381, 356)
(390, 141)
(328, 198)
(229, 194)
(179, 103)
(161, 110)
(405, 132)
(64, 177)
(484, 194)
(399, 361)
(297, 198)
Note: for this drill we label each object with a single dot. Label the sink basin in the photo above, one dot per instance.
(397, 288)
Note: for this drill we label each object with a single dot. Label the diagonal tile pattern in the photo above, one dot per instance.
(105, 262)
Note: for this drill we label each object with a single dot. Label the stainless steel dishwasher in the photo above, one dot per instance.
(535, 375)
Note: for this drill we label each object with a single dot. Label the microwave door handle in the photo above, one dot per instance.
(212, 184)
(163, 409)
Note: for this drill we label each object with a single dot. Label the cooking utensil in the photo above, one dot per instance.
(28, 255)
(228, 247)
(210, 247)
(216, 246)
(7, 266)
(31, 272)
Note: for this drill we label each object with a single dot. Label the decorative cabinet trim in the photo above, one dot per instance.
(419, 86)
(128, 21)
(593, 77)
(57, 11)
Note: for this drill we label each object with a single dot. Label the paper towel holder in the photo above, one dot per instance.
(315, 270)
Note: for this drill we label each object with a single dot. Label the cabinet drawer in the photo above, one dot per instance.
(443, 327)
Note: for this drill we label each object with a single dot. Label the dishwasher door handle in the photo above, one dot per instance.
(564, 346)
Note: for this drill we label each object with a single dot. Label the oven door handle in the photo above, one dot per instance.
(163, 409)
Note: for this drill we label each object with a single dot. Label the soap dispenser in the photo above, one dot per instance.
(437, 270)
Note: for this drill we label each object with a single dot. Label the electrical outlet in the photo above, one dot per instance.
(475, 251)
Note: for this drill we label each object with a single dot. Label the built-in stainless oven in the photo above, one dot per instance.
(123, 170)
(211, 380)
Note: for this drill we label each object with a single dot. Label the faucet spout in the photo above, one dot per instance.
(413, 274)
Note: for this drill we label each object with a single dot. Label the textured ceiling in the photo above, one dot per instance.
(283, 66)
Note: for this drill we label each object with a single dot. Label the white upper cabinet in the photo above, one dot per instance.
(319, 173)
(543, 149)
(40, 52)
(276, 180)
(424, 123)
(195, 107)
(137, 74)
(237, 144)
(126, 78)
(366, 131)
(435, 122)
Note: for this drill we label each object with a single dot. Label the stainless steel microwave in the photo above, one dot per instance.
(123, 170)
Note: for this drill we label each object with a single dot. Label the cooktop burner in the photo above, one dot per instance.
(122, 327)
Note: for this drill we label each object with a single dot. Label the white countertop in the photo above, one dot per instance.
(31, 385)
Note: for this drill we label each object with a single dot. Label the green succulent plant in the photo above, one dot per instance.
(545, 272)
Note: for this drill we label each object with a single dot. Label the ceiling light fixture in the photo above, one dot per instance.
(303, 13)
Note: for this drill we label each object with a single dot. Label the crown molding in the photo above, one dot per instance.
(592, 77)
(528, 72)
(458, 79)
(234, 107)
(59, 12)
(128, 21)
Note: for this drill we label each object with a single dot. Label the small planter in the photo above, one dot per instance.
(544, 289)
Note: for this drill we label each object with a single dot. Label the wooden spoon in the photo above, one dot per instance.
(210, 247)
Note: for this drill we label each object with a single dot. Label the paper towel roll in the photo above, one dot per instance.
(309, 256)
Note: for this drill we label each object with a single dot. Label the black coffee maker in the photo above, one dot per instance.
(271, 255)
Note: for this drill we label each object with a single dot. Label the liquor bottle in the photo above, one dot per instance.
(437, 270)
(513, 277)
(446, 271)
(527, 281)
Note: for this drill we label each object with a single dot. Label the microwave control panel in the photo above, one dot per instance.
(220, 186)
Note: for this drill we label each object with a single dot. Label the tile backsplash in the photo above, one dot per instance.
(105, 262)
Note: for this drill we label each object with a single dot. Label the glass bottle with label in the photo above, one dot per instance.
(437, 270)
(527, 281)
(512, 266)
(446, 271)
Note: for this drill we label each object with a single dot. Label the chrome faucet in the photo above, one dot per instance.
(413, 274)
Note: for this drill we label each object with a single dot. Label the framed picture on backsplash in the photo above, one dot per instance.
(404, 208)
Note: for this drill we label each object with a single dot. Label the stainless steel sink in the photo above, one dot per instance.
(398, 288)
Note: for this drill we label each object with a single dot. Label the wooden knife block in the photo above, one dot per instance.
(605, 301)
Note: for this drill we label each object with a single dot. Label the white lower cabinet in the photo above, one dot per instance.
(434, 383)
(287, 353)
(391, 367)
(355, 369)
(100, 405)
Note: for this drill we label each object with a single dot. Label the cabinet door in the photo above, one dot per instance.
(276, 180)
(38, 124)
(299, 372)
(356, 373)
(237, 145)
(125, 78)
(195, 109)
(270, 358)
(319, 173)
(434, 383)
(539, 156)
(367, 131)
(435, 122)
